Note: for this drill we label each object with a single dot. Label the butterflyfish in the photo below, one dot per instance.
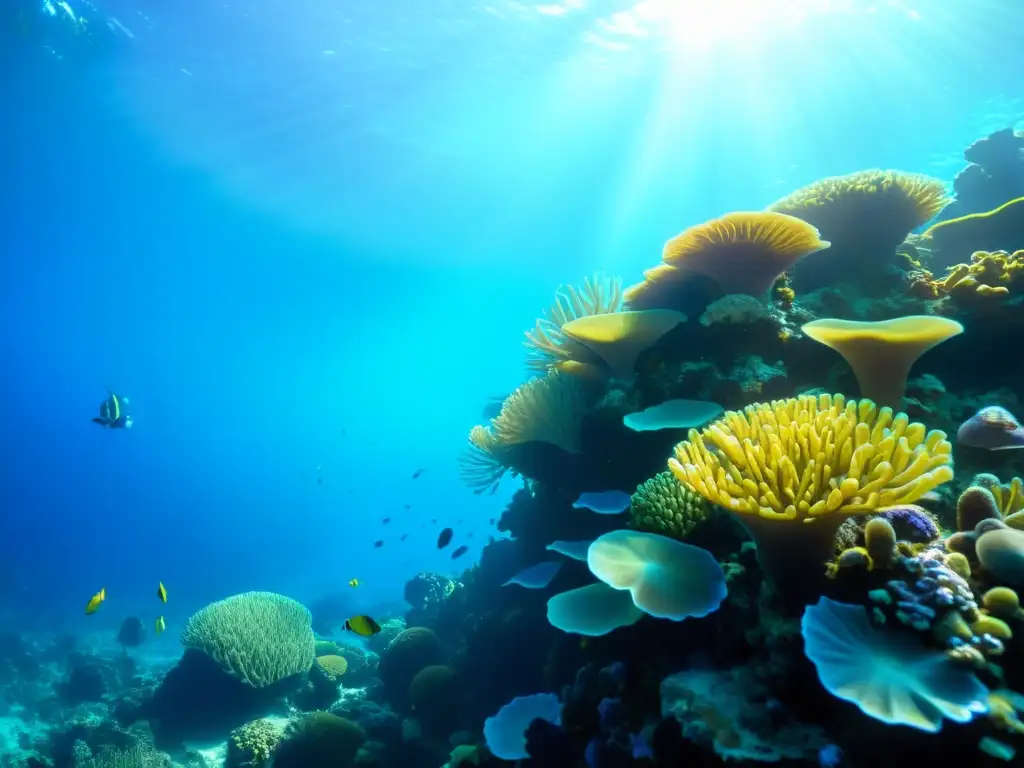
(362, 625)
(353, 582)
(161, 625)
(161, 592)
(95, 601)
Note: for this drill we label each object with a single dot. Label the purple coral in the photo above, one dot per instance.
(912, 523)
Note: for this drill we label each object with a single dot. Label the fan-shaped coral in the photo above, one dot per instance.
(882, 353)
(871, 206)
(258, 637)
(742, 252)
(548, 346)
(548, 409)
(791, 470)
(663, 505)
(890, 676)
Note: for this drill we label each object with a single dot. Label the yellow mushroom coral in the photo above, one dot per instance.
(792, 470)
(742, 252)
(882, 353)
(547, 346)
(619, 337)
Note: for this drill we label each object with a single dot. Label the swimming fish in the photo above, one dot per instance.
(408, 506)
(404, 537)
(385, 521)
(161, 625)
(378, 543)
(112, 413)
(95, 601)
(445, 538)
(353, 582)
(161, 592)
(417, 473)
(460, 552)
(362, 625)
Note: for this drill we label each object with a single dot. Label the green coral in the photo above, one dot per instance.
(252, 745)
(325, 648)
(258, 637)
(664, 505)
(320, 740)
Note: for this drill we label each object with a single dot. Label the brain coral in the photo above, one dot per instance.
(434, 696)
(663, 505)
(319, 740)
(412, 650)
(258, 637)
(333, 666)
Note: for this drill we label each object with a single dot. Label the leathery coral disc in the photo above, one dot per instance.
(807, 457)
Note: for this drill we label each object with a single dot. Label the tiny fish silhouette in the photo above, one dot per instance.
(460, 552)
(417, 473)
(408, 506)
(378, 543)
(319, 481)
(491, 521)
(433, 521)
(386, 520)
(445, 538)
(404, 537)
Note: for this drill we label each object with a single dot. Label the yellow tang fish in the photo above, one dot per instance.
(161, 625)
(95, 601)
(353, 582)
(161, 592)
(362, 625)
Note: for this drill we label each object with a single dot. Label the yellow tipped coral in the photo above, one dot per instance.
(618, 338)
(547, 346)
(882, 353)
(841, 205)
(547, 409)
(953, 239)
(662, 505)
(792, 470)
(742, 252)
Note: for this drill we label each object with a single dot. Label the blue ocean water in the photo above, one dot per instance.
(303, 235)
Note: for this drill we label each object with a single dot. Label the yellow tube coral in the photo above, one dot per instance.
(792, 470)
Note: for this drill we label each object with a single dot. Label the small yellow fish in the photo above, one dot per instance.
(161, 592)
(95, 601)
(362, 625)
(353, 582)
(161, 625)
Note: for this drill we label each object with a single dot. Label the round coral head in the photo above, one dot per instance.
(882, 353)
(619, 337)
(666, 578)
(744, 252)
